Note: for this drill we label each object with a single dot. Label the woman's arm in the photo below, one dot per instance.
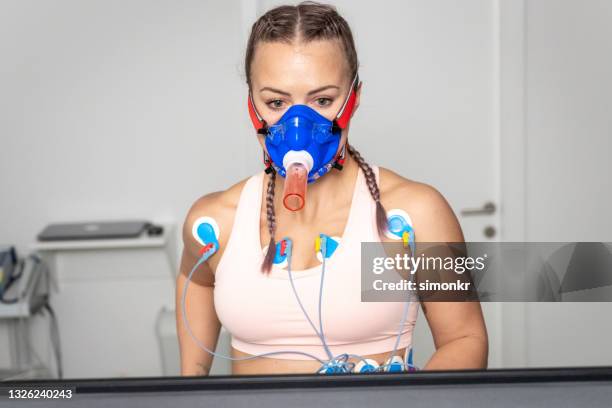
(458, 328)
(459, 335)
(201, 315)
(199, 302)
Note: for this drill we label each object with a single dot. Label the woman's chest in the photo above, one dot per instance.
(281, 305)
(306, 244)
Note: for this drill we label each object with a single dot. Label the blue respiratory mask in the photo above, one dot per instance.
(302, 145)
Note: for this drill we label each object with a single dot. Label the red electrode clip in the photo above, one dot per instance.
(206, 248)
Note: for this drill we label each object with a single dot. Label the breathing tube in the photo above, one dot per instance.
(334, 363)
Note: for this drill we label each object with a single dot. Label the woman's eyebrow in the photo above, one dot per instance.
(267, 88)
(323, 88)
(314, 91)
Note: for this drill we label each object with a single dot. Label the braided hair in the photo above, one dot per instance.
(271, 220)
(381, 217)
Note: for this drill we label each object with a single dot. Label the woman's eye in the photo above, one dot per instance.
(275, 104)
(323, 102)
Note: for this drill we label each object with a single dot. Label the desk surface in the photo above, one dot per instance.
(557, 387)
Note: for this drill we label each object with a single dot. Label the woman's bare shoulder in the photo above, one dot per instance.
(218, 202)
(391, 183)
(218, 205)
(396, 189)
(432, 216)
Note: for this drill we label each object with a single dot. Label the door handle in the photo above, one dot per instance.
(487, 209)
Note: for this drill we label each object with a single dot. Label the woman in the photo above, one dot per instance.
(301, 69)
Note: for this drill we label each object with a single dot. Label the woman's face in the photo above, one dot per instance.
(315, 74)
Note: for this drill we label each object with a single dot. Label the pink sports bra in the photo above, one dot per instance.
(261, 311)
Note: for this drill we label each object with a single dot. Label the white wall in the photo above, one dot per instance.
(114, 109)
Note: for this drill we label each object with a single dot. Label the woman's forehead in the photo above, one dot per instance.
(293, 66)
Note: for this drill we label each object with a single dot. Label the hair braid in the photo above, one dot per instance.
(381, 214)
(271, 218)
